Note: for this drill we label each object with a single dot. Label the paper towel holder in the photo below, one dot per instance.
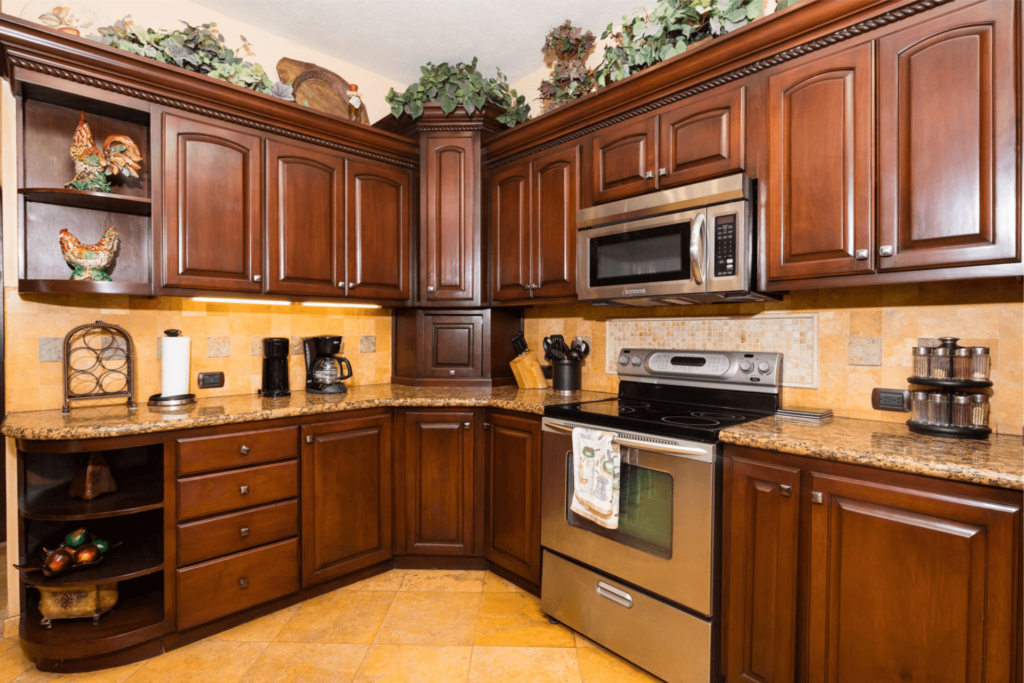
(99, 362)
(179, 402)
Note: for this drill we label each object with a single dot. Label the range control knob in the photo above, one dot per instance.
(623, 360)
(746, 367)
(764, 368)
(636, 360)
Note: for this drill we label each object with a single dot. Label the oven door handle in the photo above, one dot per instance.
(614, 594)
(697, 453)
(698, 248)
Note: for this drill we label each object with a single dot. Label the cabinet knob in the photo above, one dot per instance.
(816, 497)
(351, 285)
(244, 490)
(785, 491)
(487, 425)
(309, 439)
(257, 278)
(662, 171)
(467, 425)
(861, 254)
(533, 287)
(885, 250)
(244, 450)
(243, 532)
(649, 174)
(341, 285)
(451, 373)
(430, 288)
(243, 583)
(526, 286)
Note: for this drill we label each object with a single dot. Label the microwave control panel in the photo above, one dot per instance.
(725, 245)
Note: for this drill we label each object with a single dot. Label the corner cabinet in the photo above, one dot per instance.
(212, 205)
(901, 577)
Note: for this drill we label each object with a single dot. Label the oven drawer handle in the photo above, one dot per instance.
(614, 594)
(668, 449)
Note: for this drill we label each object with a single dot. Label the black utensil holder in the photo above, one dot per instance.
(567, 376)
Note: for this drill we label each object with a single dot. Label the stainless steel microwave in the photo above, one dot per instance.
(688, 245)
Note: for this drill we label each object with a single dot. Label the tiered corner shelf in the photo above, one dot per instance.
(131, 560)
(949, 386)
(51, 503)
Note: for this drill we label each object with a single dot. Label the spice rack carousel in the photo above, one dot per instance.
(950, 386)
(929, 360)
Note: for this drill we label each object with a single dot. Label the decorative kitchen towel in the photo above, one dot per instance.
(596, 469)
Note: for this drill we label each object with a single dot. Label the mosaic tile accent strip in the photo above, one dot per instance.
(795, 336)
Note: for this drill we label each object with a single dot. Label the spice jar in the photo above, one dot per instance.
(940, 365)
(919, 406)
(979, 410)
(962, 410)
(922, 357)
(981, 361)
(962, 360)
(938, 409)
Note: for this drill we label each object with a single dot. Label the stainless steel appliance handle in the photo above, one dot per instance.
(667, 449)
(697, 248)
(614, 594)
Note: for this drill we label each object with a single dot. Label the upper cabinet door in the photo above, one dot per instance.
(212, 206)
(820, 146)
(947, 141)
(378, 231)
(622, 160)
(702, 137)
(305, 221)
(510, 237)
(450, 239)
(554, 202)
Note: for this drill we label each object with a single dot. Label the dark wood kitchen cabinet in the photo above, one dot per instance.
(305, 220)
(702, 137)
(948, 162)
(820, 149)
(212, 205)
(440, 488)
(346, 496)
(512, 495)
(901, 577)
(622, 159)
(379, 231)
(511, 272)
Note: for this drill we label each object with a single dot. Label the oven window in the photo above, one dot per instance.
(645, 509)
(643, 256)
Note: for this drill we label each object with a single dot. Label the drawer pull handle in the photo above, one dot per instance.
(244, 531)
(243, 583)
(309, 439)
(816, 497)
(244, 490)
(451, 373)
(785, 491)
(614, 594)
(467, 425)
(245, 450)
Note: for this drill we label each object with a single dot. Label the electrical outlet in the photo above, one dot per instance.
(895, 400)
(210, 380)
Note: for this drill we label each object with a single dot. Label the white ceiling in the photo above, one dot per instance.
(395, 37)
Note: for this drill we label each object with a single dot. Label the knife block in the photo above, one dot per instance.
(528, 372)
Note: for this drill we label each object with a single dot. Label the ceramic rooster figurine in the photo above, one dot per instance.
(89, 261)
(120, 155)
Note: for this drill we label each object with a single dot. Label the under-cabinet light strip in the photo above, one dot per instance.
(272, 302)
(331, 304)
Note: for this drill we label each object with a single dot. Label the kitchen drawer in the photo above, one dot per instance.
(648, 632)
(212, 493)
(208, 453)
(209, 538)
(217, 588)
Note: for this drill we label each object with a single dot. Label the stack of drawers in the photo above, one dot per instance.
(238, 522)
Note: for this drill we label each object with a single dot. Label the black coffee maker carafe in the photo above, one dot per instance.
(275, 367)
(324, 368)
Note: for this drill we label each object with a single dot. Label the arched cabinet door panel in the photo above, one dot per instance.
(378, 232)
(554, 203)
(510, 221)
(702, 137)
(622, 160)
(212, 206)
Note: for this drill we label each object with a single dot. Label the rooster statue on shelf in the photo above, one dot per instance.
(89, 261)
(120, 155)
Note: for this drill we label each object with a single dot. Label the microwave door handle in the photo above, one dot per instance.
(697, 248)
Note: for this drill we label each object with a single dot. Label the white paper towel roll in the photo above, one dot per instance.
(175, 352)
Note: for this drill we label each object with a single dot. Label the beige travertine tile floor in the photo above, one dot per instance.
(415, 626)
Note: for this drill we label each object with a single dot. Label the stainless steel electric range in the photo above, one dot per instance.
(649, 589)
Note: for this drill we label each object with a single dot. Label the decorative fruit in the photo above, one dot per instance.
(101, 544)
(77, 538)
(87, 553)
(58, 561)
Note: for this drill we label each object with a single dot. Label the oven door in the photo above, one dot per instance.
(661, 256)
(665, 538)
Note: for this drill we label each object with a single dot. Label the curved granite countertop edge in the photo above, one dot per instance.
(997, 461)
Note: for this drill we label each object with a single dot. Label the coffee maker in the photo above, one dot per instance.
(275, 367)
(324, 368)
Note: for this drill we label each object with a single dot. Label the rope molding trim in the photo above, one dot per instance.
(815, 45)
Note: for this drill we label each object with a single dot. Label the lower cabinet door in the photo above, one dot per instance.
(346, 496)
(512, 508)
(439, 483)
(762, 509)
(231, 584)
(910, 585)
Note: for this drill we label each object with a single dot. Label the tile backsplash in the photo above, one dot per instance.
(225, 338)
(863, 340)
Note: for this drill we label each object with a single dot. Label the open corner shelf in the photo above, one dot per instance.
(131, 560)
(51, 503)
(134, 620)
(84, 199)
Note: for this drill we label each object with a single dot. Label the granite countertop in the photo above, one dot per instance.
(97, 422)
(997, 461)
